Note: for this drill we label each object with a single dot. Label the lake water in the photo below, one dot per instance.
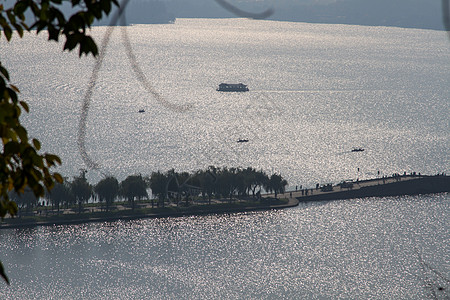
(316, 91)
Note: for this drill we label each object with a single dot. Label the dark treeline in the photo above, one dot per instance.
(180, 188)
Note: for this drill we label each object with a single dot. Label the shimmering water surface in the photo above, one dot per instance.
(358, 249)
(316, 91)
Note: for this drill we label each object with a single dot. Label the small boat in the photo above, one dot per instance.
(232, 87)
(242, 140)
(357, 149)
(141, 110)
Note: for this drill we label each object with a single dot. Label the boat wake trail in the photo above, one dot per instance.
(435, 281)
(82, 128)
(244, 14)
(140, 76)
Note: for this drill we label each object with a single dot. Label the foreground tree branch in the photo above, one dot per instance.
(21, 163)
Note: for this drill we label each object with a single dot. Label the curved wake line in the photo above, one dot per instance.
(81, 139)
(244, 14)
(82, 128)
(143, 79)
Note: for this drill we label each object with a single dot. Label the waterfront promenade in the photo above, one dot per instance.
(396, 185)
(144, 210)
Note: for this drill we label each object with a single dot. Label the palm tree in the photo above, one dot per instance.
(133, 187)
(60, 194)
(159, 184)
(81, 189)
(206, 181)
(276, 184)
(107, 189)
(261, 178)
(25, 200)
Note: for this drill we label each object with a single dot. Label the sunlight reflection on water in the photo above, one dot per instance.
(343, 249)
(316, 91)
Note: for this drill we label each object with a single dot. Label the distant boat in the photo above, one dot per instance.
(232, 87)
(141, 110)
(242, 140)
(357, 149)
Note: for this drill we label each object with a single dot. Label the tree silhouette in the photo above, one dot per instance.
(21, 164)
(159, 185)
(133, 187)
(276, 184)
(206, 181)
(107, 189)
(81, 189)
(61, 194)
(26, 200)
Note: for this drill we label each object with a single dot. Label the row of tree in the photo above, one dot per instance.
(212, 183)
(216, 183)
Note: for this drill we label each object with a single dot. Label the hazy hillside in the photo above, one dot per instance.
(145, 12)
(401, 13)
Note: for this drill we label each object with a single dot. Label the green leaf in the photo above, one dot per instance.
(60, 17)
(58, 177)
(38, 162)
(11, 148)
(88, 46)
(39, 26)
(12, 94)
(20, 8)
(14, 88)
(72, 41)
(44, 11)
(53, 33)
(4, 72)
(11, 16)
(97, 12)
(75, 21)
(25, 106)
(36, 144)
(34, 8)
(2, 86)
(7, 32)
(25, 26)
(22, 133)
(106, 5)
(3, 274)
(52, 159)
(19, 29)
(12, 208)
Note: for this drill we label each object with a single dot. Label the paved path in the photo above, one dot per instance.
(356, 185)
